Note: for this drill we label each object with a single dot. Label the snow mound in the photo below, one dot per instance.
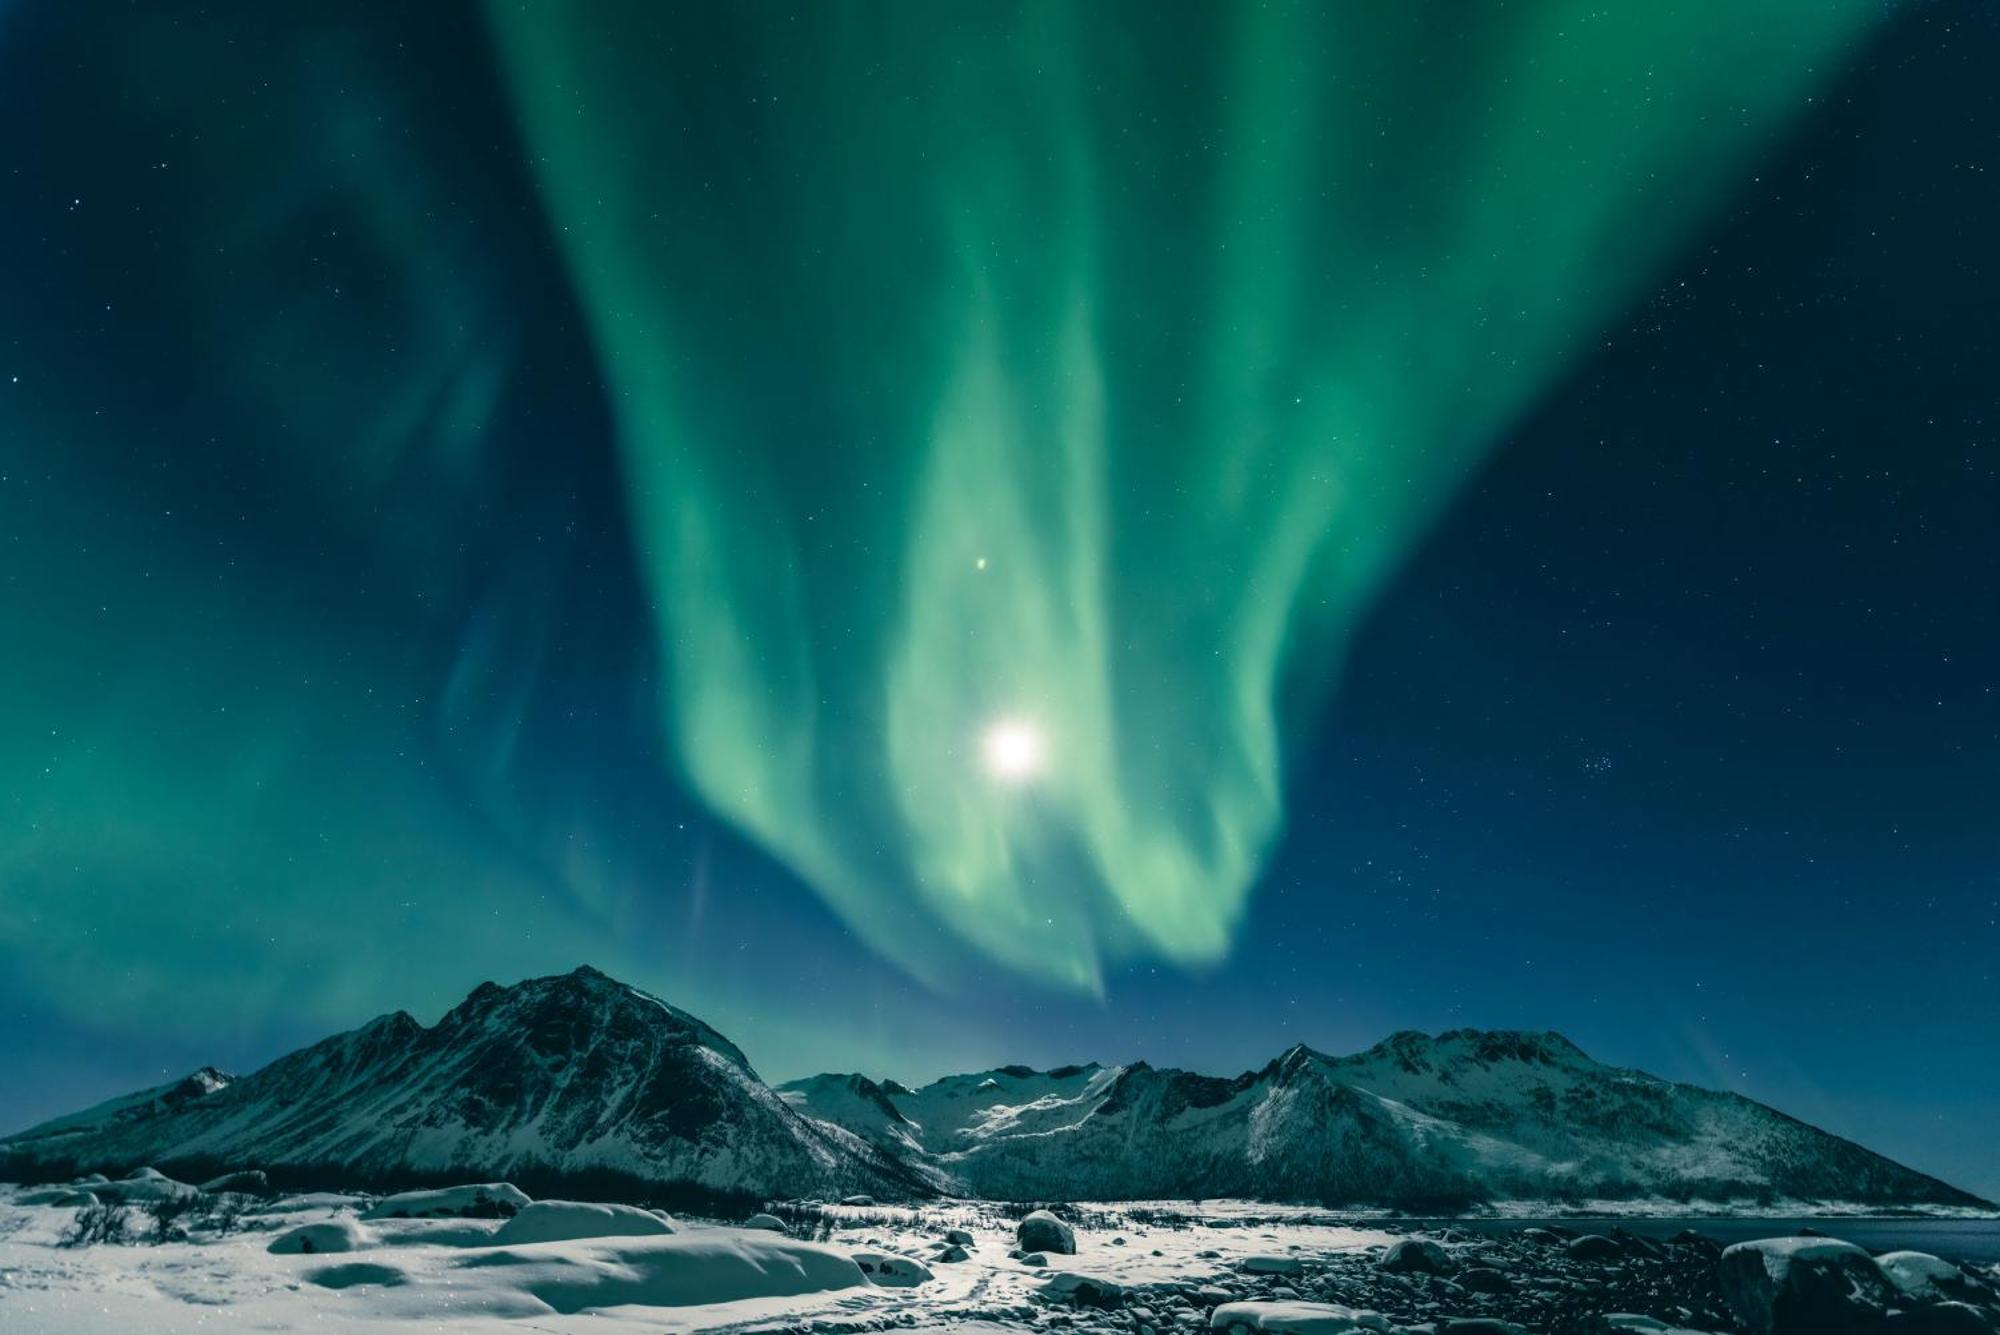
(682, 1270)
(334, 1235)
(482, 1199)
(561, 1221)
(355, 1274)
(58, 1196)
(1297, 1318)
(770, 1223)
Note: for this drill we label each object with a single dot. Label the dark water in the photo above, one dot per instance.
(1965, 1240)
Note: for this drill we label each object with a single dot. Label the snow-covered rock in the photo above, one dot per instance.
(1804, 1286)
(249, 1182)
(770, 1223)
(478, 1200)
(1921, 1277)
(892, 1271)
(144, 1187)
(1296, 1318)
(560, 1221)
(1041, 1231)
(332, 1235)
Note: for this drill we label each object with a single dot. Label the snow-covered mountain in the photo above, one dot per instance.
(1462, 1117)
(580, 1078)
(576, 1076)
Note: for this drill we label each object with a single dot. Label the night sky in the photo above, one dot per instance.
(936, 536)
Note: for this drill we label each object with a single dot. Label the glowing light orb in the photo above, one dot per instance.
(1012, 751)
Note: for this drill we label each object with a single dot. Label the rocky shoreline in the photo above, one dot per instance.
(1549, 1281)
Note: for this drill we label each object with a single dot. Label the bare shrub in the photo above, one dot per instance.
(95, 1224)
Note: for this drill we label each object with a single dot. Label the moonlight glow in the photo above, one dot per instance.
(1012, 751)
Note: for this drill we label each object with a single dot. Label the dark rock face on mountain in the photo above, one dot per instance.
(575, 1075)
(581, 1077)
(1442, 1121)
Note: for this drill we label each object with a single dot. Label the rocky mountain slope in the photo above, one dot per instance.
(572, 1077)
(581, 1079)
(1463, 1117)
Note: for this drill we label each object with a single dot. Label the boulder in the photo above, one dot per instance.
(1272, 1265)
(1484, 1279)
(770, 1223)
(1084, 1290)
(1943, 1319)
(958, 1237)
(1595, 1247)
(249, 1182)
(1043, 1232)
(1296, 1318)
(1416, 1256)
(1805, 1286)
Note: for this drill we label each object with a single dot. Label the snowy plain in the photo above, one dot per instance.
(409, 1275)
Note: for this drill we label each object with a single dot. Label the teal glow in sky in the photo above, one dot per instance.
(933, 535)
(1052, 363)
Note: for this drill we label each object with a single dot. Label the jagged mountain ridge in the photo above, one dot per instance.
(1465, 1116)
(580, 1075)
(563, 1076)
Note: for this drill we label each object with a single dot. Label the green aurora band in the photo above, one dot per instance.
(1091, 366)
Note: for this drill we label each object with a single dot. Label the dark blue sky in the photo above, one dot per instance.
(1679, 733)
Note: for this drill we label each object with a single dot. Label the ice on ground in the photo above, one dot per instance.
(561, 1221)
(1295, 1318)
(477, 1199)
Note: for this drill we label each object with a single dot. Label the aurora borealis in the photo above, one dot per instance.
(864, 518)
(1115, 366)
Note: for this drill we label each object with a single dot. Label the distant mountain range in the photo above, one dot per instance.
(582, 1078)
